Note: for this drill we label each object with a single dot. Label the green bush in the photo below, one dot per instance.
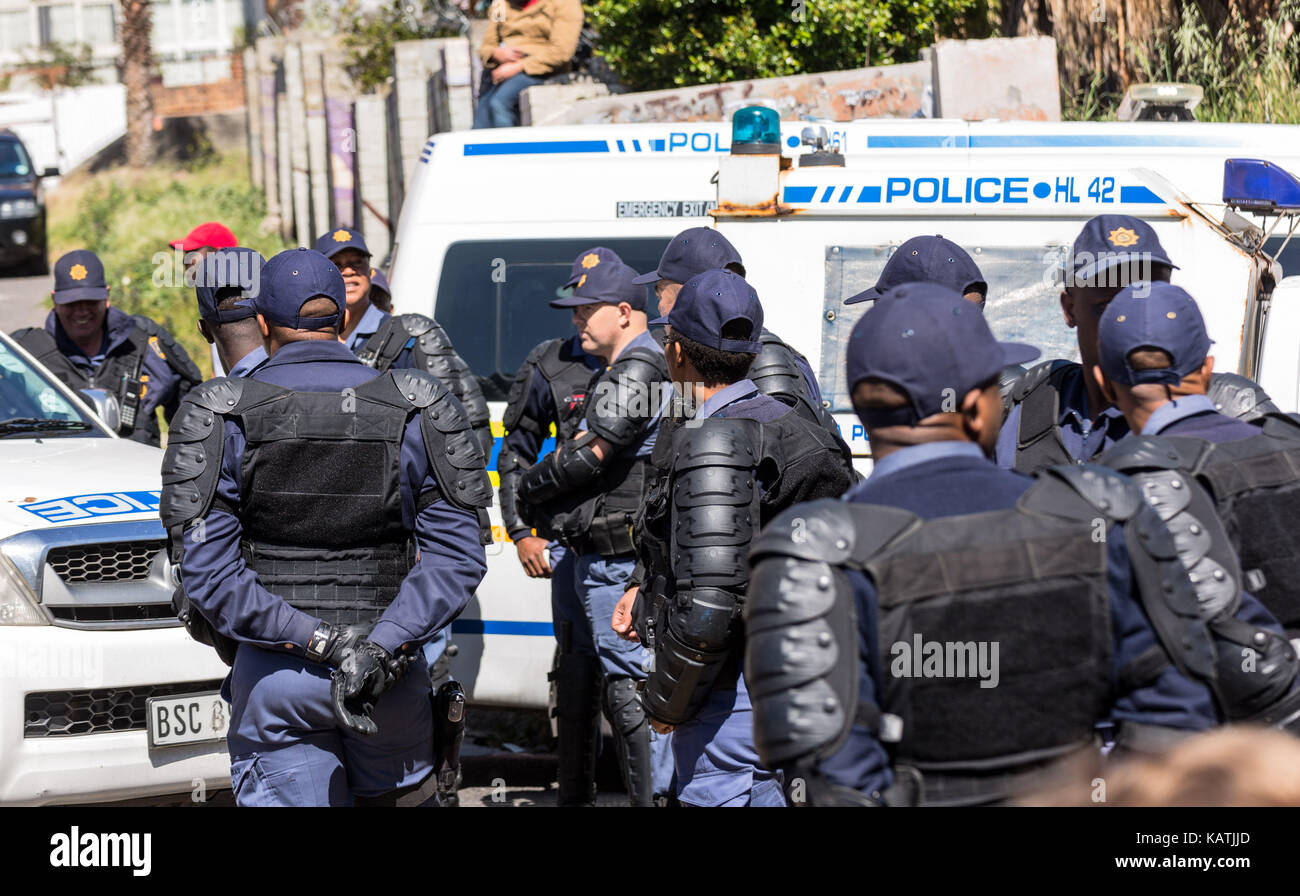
(128, 220)
(655, 44)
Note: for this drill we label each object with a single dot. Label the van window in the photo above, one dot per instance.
(1023, 303)
(493, 295)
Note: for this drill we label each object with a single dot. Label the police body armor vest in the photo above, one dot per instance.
(432, 352)
(1029, 582)
(320, 483)
(599, 519)
(118, 374)
(1252, 485)
(1038, 393)
(567, 379)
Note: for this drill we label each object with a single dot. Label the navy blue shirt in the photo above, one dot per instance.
(450, 565)
(247, 364)
(942, 479)
(1083, 437)
(1195, 415)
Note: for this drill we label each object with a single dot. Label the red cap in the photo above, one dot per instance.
(218, 236)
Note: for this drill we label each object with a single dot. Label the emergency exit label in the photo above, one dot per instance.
(664, 208)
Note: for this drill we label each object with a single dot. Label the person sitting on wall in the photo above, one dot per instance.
(527, 41)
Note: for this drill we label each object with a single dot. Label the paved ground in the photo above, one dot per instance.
(22, 301)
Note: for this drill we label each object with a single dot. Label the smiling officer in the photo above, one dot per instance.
(87, 344)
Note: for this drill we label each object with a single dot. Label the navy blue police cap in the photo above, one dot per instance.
(237, 268)
(1108, 242)
(79, 277)
(380, 282)
(927, 259)
(1155, 315)
(612, 283)
(710, 301)
(692, 252)
(338, 239)
(294, 277)
(588, 261)
(931, 344)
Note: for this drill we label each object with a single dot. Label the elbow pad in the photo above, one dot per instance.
(571, 466)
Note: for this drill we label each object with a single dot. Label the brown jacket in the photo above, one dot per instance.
(547, 31)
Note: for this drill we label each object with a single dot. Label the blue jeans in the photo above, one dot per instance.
(498, 104)
(717, 763)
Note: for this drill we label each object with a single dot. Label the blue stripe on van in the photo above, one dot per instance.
(917, 141)
(502, 627)
(535, 147)
(1008, 141)
(1138, 195)
(800, 194)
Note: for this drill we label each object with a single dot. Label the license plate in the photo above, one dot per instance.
(187, 719)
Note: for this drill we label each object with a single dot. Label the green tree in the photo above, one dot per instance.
(654, 44)
(369, 37)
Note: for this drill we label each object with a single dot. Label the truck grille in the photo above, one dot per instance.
(122, 561)
(71, 713)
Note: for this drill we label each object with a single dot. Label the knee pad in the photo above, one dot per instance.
(623, 706)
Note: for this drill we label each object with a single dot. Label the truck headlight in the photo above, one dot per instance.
(18, 605)
(18, 208)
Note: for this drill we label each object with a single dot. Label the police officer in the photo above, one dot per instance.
(964, 624)
(381, 294)
(742, 458)
(778, 370)
(224, 281)
(550, 390)
(1059, 414)
(589, 490)
(327, 519)
(88, 344)
(1154, 365)
(385, 341)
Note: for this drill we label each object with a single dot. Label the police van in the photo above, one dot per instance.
(494, 218)
(103, 695)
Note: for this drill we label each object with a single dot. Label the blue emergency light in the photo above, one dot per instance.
(1254, 185)
(756, 129)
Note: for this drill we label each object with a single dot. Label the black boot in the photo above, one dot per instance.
(631, 737)
(577, 715)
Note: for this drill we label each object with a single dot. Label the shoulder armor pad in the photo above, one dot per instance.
(1155, 453)
(1238, 396)
(717, 441)
(1111, 494)
(833, 531)
(418, 387)
(514, 413)
(626, 397)
(415, 324)
(1035, 377)
(220, 395)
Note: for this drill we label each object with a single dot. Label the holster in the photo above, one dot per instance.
(448, 734)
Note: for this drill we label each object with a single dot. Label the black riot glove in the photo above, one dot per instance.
(365, 672)
(328, 642)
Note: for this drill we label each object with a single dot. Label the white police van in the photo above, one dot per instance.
(494, 218)
(103, 695)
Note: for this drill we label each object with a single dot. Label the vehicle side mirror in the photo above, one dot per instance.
(50, 172)
(105, 405)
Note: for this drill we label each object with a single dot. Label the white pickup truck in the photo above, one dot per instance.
(103, 695)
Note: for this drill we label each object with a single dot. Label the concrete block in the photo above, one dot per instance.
(339, 97)
(300, 179)
(1012, 78)
(269, 50)
(317, 137)
(458, 76)
(372, 174)
(548, 103)
(889, 91)
(284, 176)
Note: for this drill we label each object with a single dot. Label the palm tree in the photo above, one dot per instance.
(137, 65)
